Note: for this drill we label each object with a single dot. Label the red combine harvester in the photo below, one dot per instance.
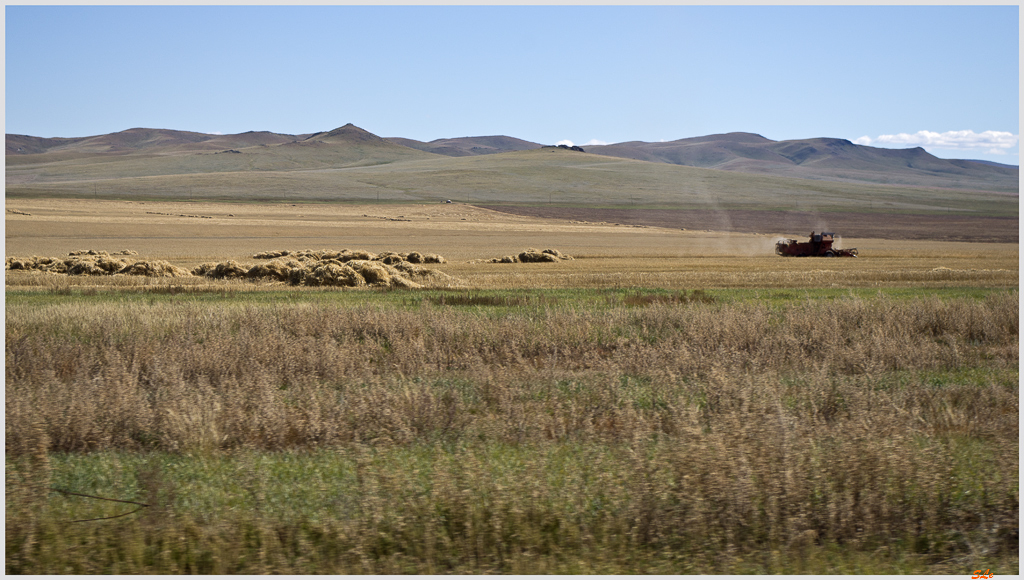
(819, 245)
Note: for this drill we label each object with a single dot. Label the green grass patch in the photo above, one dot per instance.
(565, 507)
(509, 299)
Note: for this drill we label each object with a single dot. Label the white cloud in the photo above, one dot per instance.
(564, 142)
(595, 142)
(996, 142)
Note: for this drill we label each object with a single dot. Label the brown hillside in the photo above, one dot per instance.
(347, 133)
(517, 176)
(820, 158)
(463, 146)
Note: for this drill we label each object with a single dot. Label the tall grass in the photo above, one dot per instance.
(518, 436)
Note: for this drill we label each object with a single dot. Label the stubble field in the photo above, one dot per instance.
(668, 401)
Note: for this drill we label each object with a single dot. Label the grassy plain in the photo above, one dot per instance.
(371, 174)
(670, 401)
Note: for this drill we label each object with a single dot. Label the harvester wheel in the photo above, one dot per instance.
(830, 254)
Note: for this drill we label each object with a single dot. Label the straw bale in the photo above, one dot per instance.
(102, 253)
(332, 274)
(280, 270)
(349, 255)
(204, 269)
(155, 269)
(14, 263)
(434, 259)
(533, 256)
(43, 264)
(404, 267)
(110, 265)
(229, 269)
(557, 254)
(362, 255)
(53, 265)
(391, 258)
(399, 281)
(503, 260)
(86, 268)
(372, 272)
(271, 254)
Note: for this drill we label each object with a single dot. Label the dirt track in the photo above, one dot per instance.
(850, 225)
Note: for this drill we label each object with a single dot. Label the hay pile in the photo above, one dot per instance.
(531, 256)
(346, 268)
(96, 263)
(103, 253)
(347, 255)
(154, 269)
(349, 268)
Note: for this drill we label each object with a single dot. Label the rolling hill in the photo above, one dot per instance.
(464, 146)
(818, 159)
(823, 159)
(719, 173)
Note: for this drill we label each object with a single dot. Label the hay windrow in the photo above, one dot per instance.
(229, 269)
(271, 254)
(155, 269)
(332, 274)
(93, 263)
(342, 268)
(103, 253)
(346, 255)
(373, 273)
(528, 256)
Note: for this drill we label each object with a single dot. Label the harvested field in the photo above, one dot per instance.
(666, 401)
(893, 226)
(469, 238)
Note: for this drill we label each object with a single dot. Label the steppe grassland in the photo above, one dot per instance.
(869, 427)
(295, 175)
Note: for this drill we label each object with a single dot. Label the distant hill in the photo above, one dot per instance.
(137, 153)
(993, 163)
(141, 140)
(820, 158)
(463, 146)
(169, 152)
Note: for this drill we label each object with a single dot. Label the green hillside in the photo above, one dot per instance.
(349, 164)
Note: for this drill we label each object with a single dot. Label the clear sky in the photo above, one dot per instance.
(942, 77)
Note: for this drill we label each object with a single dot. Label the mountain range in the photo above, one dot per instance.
(827, 159)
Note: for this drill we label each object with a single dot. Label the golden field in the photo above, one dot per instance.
(668, 401)
(606, 254)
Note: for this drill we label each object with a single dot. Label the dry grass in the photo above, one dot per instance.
(136, 375)
(668, 431)
(703, 430)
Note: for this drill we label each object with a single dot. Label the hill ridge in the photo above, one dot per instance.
(817, 158)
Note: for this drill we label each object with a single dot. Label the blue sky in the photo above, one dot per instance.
(942, 77)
